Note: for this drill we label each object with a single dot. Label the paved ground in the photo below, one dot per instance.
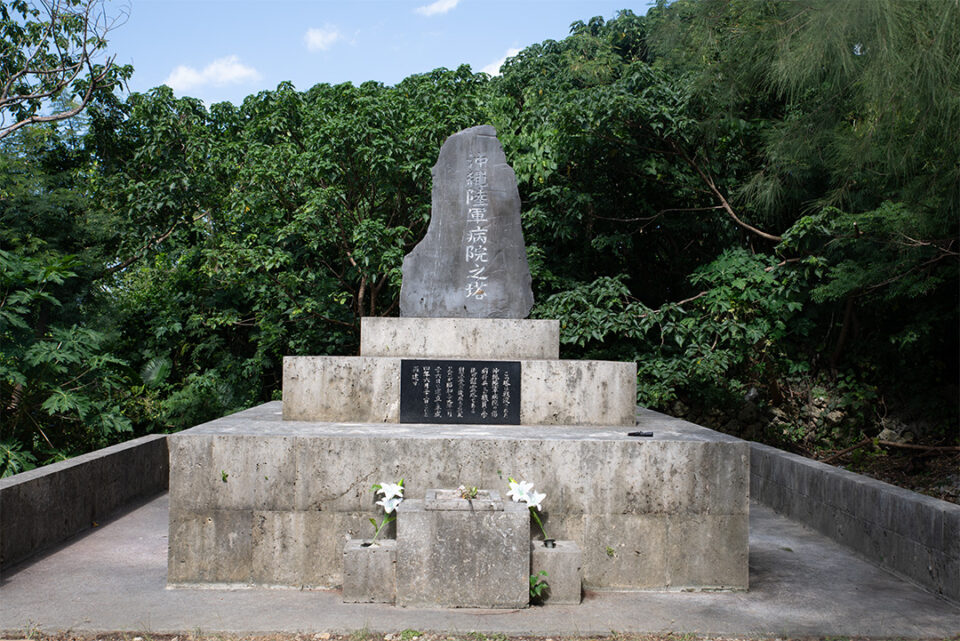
(801, 584)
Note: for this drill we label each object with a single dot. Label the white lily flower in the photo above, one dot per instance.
(519, 491)
(390, 503)
(534, 498)
(390, 490)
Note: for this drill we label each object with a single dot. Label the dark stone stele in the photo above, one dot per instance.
(458, 392)
(472, 262)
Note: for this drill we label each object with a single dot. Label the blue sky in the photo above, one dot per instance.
(228, 49)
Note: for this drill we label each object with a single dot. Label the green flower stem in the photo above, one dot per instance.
(536, 517)
(386, 520)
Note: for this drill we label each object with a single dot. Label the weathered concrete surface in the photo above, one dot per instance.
(563, 565)
(802, 584)
(341, 388)
(370, 571)
(456, 557)
(47, 505)
(472, 261)
(913, 535)
(578, 393)
(667, 512)
(466, 338)
(361, 389)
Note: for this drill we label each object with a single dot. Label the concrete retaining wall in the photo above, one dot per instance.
(915, 536)
(47, 505)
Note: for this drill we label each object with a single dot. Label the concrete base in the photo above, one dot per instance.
(255, 499)
(802, 586)
(361, 389)
(370, 571)
(457, 557)
(563, 567)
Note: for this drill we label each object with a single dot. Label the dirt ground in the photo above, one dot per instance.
(935, 475)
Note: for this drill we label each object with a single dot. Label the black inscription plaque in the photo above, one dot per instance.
(485, 392)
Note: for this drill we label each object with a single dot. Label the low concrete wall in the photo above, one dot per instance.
(914, 536)
(47, 505)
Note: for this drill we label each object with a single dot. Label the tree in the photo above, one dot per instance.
(61, 386)
(778, 180)
(49, 52)
(60, 382)
(241, 234)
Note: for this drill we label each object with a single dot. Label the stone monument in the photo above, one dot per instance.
(472, 262)
(460, 390)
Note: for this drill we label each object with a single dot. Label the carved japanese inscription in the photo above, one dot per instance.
(445, 391)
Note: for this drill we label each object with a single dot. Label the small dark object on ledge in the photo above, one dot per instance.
(639, 433)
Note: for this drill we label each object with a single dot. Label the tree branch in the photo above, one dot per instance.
(708, 181)
(905, 446)
(150, 243)
(645, 219)
(45, 74)
(678, 303)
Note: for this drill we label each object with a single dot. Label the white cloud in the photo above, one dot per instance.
(440, 6)
(224, 71)
(494, 67)
(321, 39)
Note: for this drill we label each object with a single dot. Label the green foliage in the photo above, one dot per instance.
(539, 587)
(60, 387)
(719, 342)
(755, 201)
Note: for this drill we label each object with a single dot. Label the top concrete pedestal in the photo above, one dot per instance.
(468, 338)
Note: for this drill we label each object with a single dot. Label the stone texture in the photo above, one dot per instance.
(461, 558)
(452, 500)
(465, 338)
(578, 393)
(708, 552)
(358, 389)
(341, 388)
(621, 551)
(210, 547)
(278, 557)
(672, 509)
(563, 567)
(370, 573)
(472, 261)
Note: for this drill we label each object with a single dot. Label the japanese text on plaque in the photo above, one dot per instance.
(459, 392)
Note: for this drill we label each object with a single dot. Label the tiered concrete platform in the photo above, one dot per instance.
(269, 496)
(367, 388)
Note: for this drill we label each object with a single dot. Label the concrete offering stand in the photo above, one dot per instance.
(463, 553)
(461, 390)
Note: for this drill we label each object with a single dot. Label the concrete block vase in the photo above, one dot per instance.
(562, 563)
(370, 571)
